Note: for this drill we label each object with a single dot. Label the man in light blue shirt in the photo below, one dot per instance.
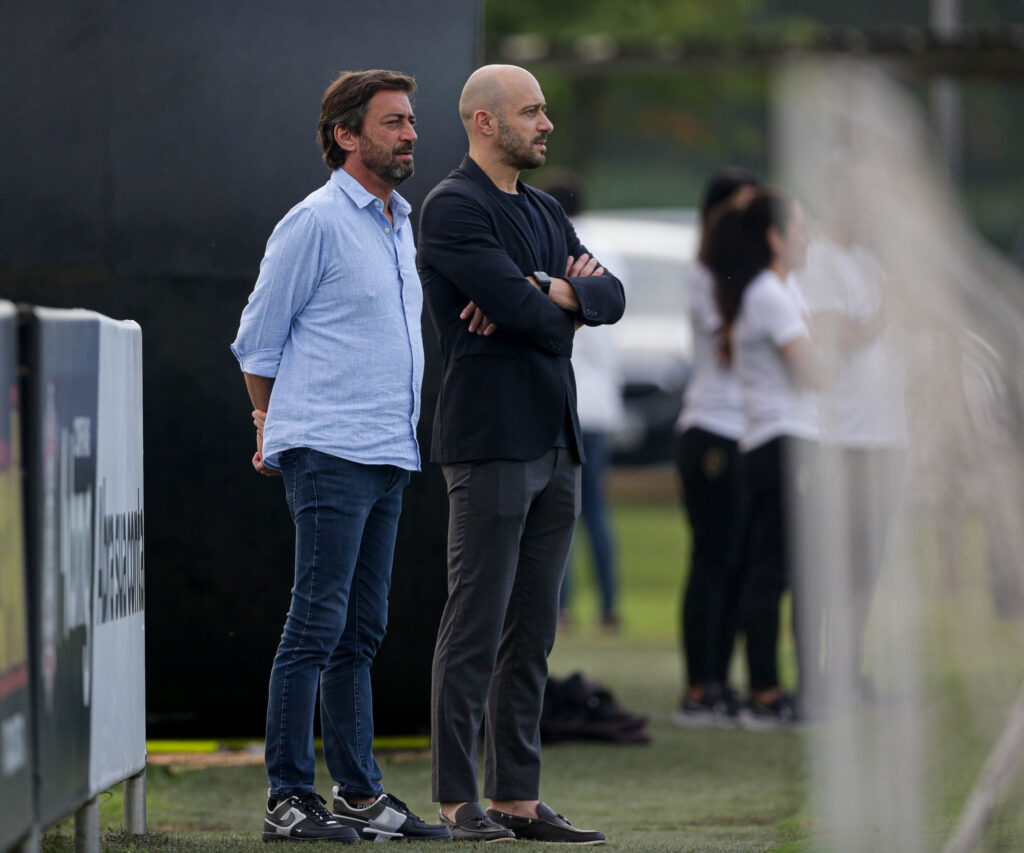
(330, 348)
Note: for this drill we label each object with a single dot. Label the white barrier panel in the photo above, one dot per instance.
(61, 359)
(84, 507)
(118, 730)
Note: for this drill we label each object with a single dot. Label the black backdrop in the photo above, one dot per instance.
(149, 149)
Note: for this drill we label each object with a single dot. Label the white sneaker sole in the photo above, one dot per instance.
(754, 723)
(711, 721)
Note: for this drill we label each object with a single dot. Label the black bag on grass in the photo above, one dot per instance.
(576, 708)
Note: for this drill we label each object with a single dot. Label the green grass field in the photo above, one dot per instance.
(707, 790)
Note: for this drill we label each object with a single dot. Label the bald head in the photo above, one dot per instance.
(490, 88)
(505, 117)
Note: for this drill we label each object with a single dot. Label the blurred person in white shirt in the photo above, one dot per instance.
(599, 383)
(766, 336)
(707, 460)
(862, 418)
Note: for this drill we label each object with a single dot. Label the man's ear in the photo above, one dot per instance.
(486, 123)
(775, 240)
(345, 138)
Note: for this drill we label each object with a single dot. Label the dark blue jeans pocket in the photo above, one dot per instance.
(288, 460)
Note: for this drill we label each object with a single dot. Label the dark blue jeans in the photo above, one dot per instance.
(345, 515)
(595, 518)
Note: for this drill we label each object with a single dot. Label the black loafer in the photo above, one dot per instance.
(471, 824)
(547, 826)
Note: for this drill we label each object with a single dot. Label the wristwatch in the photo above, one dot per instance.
(544, 280)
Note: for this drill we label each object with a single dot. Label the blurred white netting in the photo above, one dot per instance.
(910, 719)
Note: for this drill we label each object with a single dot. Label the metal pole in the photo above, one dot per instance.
(945, 16)
(998, 770)
(135, 803)
(30, 843)
(87, 827)
(947, 104)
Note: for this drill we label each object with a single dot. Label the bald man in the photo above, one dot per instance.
(508, 439)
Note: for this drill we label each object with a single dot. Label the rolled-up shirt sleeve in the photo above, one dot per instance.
(289, 274)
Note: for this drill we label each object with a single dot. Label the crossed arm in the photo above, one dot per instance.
(464, 243)
(561, 293)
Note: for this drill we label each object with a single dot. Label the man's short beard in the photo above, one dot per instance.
(519, 154)
(395, 173)
(383, 161)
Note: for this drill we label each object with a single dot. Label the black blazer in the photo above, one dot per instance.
(502, 396)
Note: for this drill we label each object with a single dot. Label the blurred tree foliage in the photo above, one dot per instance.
(878, 13)
(628, 21)
(650, 139)
(653, 20)
(645, 139)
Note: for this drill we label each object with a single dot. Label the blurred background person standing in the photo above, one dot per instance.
(707, 460)
(599, 383)
(751, 252)
(862, 420)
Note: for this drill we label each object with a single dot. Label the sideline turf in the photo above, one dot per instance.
(706, 791)
(687, 791)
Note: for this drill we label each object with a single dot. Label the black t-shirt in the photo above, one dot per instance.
(537, 228)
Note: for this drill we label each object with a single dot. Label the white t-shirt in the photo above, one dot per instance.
(712, 398)
(774, 402)
(596, 362)
(598, 370)
(863, 406)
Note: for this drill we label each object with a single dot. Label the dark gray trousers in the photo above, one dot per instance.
(510, 527)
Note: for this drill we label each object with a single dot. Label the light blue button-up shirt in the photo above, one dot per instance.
(335, 319)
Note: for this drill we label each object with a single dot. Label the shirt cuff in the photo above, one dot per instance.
(262, 362)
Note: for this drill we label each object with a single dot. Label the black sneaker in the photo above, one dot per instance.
(781, 713)
(387, 819)
(302, 817)
(727, 701)
(718, 707)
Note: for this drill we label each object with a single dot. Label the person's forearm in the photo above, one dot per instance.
(807, 363)
(845, 333)
(259, 388)
(458, 245)
(563, 294)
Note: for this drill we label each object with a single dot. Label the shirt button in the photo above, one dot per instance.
(387, 230)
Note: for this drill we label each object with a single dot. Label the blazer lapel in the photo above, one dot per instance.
(479, 177)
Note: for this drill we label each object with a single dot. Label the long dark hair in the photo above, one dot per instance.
(722, 185)
(737, 247)
(718, 191)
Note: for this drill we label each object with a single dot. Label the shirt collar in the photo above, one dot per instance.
(362, 197)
